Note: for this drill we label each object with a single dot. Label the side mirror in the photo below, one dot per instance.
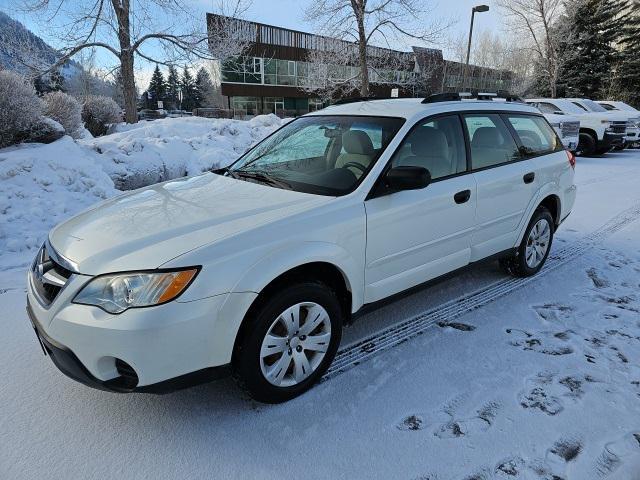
(408, 178)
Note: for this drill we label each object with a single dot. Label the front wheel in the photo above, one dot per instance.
(586, 145)
(534, 248)
(290, 343)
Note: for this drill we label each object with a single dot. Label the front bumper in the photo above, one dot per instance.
(68, 363)
(611, 140)
(153, 349)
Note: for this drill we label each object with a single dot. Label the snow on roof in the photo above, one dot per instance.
(410, 107)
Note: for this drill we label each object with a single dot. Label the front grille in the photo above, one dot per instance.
(49, 277)
(570, 129)
(618, 127)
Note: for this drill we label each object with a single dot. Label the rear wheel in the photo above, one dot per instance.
(534, 248)
(291, 342)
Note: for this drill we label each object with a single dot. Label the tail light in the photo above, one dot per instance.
(572, 159)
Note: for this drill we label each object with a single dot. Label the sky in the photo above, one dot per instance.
(283, 13)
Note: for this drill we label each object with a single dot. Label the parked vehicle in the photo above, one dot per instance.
(599, 132)
(616, 116)
(148, 114)
(256, 268)
(633, 124)
(567, 127)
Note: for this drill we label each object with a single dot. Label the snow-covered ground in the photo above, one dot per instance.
(534, 379)
(41, 185)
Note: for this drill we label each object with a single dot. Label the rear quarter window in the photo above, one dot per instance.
(535, 134)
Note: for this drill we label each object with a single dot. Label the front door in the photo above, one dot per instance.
(416, 235)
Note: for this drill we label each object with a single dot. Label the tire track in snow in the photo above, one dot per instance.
(362, 350)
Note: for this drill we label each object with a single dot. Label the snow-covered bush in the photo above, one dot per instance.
(41, 186)
(20, 109)
(98, 113)
(143, 153)
(65, 110)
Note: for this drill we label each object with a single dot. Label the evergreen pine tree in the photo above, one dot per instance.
(587, 47)
(204, 88)
(173, 86)
(627, 75)
(157, 88)
(188, 88)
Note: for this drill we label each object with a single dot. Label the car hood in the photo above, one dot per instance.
(148, 227)
(618, 116)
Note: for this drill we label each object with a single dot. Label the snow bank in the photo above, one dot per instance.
(153, 151)
(42, 185)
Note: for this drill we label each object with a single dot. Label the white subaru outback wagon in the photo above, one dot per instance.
(255, 268)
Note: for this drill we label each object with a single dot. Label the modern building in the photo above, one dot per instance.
(278, 69)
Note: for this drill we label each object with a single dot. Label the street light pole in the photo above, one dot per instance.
(479, 9)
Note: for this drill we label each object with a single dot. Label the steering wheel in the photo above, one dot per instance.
(355, 165)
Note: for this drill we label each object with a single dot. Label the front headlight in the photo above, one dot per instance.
(115, 293)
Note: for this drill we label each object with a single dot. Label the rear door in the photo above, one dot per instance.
(506, 182)
(416, 235)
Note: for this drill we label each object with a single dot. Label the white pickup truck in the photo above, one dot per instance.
(633, 125)
(599, 131)
(567, 127)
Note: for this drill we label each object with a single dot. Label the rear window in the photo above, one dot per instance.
(535, 134)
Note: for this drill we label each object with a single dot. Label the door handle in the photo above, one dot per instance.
(529, 177)
(462, 197)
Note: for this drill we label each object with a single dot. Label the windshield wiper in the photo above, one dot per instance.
(260, 176)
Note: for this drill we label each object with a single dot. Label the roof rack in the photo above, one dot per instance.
(344, 101)
(459, 96)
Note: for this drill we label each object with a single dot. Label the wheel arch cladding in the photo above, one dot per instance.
(325, 272)
(552, 203)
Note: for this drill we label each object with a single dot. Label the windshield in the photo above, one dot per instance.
(326, 155)
(593, 106)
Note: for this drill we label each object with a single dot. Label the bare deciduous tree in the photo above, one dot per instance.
(333, 69)
(537, 18)
(129, 28)
(366, 22)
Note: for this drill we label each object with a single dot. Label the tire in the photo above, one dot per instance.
(258, 363)
(586, 145)
(520, 264)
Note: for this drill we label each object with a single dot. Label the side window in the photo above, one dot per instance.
(535, 134)
(546, 107)
(437, 145)
(578, 105)
(490, 140)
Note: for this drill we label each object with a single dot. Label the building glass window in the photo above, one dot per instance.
(233, 70)
(249, 104)
(273, 104)
(253, 70)
(302, 73)
(286, 72)
(270, 71)
(315, 104)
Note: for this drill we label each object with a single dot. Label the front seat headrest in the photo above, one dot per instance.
(429, 141)
(357, 142)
